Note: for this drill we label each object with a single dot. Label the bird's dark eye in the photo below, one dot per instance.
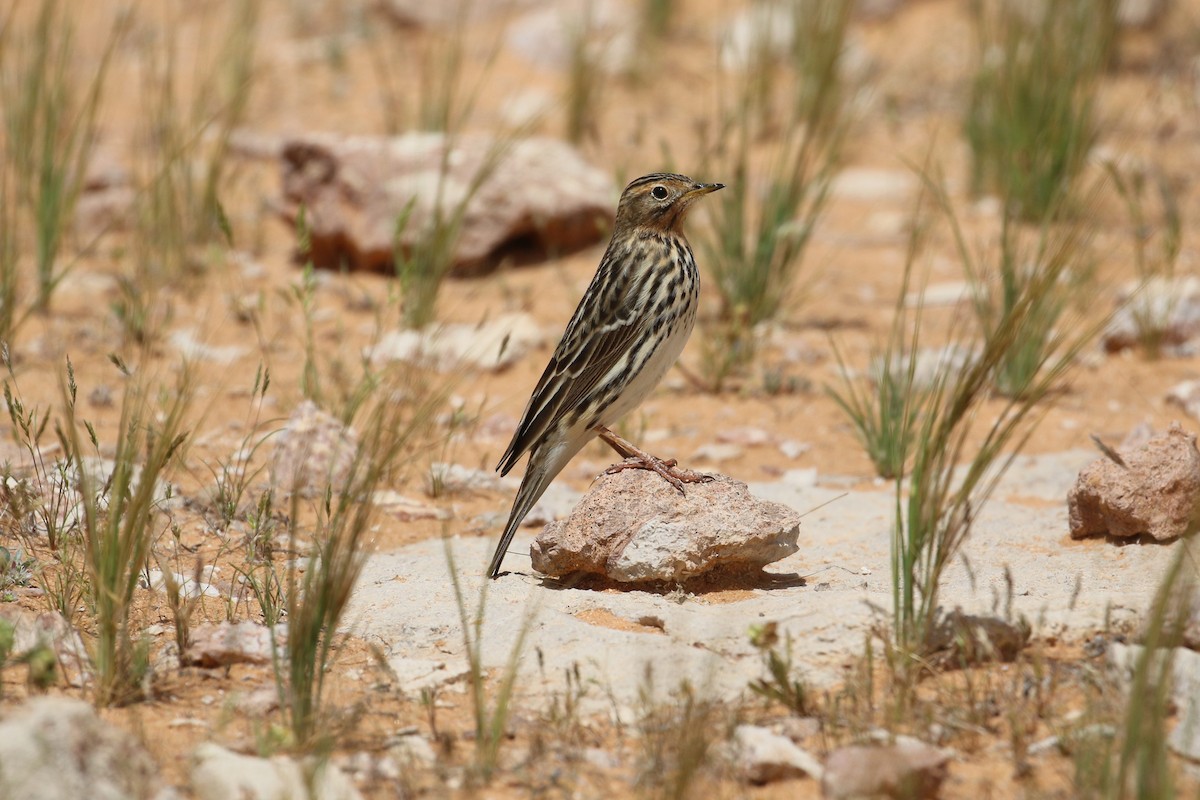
(659, 192)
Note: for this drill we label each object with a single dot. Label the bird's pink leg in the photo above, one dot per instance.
(638, 458)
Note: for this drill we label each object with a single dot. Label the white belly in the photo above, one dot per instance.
(657, 365)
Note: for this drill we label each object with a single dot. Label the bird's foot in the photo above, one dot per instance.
(669, 469)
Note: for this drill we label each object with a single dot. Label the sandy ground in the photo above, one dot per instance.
(320, 75)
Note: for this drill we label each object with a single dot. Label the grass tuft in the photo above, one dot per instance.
(763, 221)
(189, 113)
(779, 685)
(422, 261)
(679, 740)
(316, 597)
(1157, 243)
(50, 102)
(1030, 118)
(885, 407)
(1043, 269)
(119, 515)
(952, 467)
(491, 714)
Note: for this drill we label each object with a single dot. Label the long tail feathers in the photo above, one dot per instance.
(533, 485)
(546, 460)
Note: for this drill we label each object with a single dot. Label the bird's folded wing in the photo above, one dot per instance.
(578, 366)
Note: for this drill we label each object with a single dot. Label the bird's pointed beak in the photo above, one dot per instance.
(701, 189)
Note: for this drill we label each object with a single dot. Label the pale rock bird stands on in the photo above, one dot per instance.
(629, 328)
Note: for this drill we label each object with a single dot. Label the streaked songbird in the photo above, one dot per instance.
(627, 331)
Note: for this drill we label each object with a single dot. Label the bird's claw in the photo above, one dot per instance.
(669, 470)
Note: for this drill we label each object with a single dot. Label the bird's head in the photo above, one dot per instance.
(659, 201)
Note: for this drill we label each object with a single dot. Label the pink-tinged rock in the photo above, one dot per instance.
(1154, 492)
(745, 436)
(59, 748)
(229, 643)
(313, 451)
(1169, 308)
(32, 629)
(107, 196)
(220, 774)
(907, 768)
(762, 756)
(634, 526)
(534, 193)
(1186, 395)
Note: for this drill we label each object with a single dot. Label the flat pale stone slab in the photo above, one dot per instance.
(825, 596)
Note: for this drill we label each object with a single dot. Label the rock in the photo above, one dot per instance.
(192, 349)
(762, 29)
(492, 345)
(1044, 746)
(1138, 435)
(406, 509)
(1156, 492)
(104, 170)
(1190, 628)
(101, 396)
(364, 767)
(888, 224)
(107, 197)
(601, 759)
(33, 630)
(446, 478)
(798, 728)
(548, 36)
(762, 756)
(102, 210)
(908, 768)
(863, 183)
(354, 189)
(1184, 738)
(634, 526)
(187, 585)
(405, 600)
(745, 436)
(412, 750)
(766, 30)
(800, 478)
(1183, 615)
(715, 453)
(1140, 13)
(415, 674)
(528, 106)
(220, 774)
(57, 748)
(228, 643)
(790, 448)
(1168, 307)
(1186, 395)
(939, 295)
(961, 639)
(314, 450)
(557, 503)
(259, 702)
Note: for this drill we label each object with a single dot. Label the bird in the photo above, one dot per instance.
(627, 331)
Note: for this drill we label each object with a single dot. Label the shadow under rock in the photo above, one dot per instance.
(717, 580)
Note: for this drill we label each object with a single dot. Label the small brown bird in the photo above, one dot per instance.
(627, 331)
